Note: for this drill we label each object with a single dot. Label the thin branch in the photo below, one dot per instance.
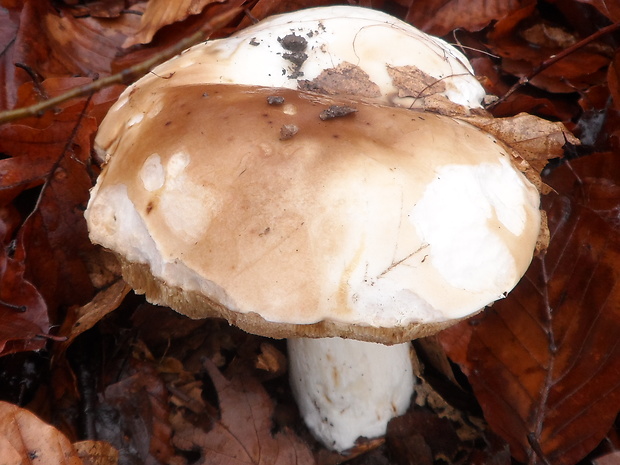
(126, 76)
(553, 60)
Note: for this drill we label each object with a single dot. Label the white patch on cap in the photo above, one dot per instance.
(121, 102)
(156, 108)
(186, 206)
(289, 109)
(177, 164)
(454, 217)
(114, 222)
(135, 119)
(506, 190)
(152, 173)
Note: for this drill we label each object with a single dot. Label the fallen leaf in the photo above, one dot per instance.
(133, 415)
(33, 146)
(243, 435)
(24, 438)
(523, 52)
(96, 452)
(550, 106)
(160, 13)
(544, 363)
(609, 8)
(51, 42)
(81, 319)
(534, 139)
(438, 17)
(613, 79)
(52, 152)
(271, 360)
(23, 312)
(420, 436)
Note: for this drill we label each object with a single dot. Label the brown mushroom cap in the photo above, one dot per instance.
(223, 201)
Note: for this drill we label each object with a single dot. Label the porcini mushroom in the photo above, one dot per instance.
(382, 225)
(316, 217)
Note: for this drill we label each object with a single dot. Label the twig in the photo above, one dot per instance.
(17, 308)
(553, 60)
(125, 76)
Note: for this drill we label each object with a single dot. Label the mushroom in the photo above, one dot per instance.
(316, 217)
(378, 223)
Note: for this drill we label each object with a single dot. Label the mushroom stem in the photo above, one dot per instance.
(346, 389)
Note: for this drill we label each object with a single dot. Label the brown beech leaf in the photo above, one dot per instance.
(96, 452)
(438, 17)
(545, 362)
(525, 41)
(243, 434)
(609, 8)
(421, 437)
(577, 71)
(133, 415)
(52, 152)
(51, 42)
(536, 140)
(54, 237)
(81, 319)
(23, 313)
(33, 146)
(160, 13)
(613, 79)
(24, 438)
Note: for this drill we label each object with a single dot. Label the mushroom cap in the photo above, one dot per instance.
(379, 223)
(336, 50)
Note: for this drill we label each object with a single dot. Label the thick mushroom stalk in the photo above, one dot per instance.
(347, 389)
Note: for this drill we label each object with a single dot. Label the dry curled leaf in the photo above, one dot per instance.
(534, 139)
(81, 319)
(243, 435)
(544, 363)
(24, 438)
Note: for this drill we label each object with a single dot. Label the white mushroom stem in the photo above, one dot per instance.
(346, 389)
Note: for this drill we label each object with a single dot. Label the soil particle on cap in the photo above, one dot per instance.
(297, 58)
(275, 100)
(287, 131)
(293, 43)
(337, 111)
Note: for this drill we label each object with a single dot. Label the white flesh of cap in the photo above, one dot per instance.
(374, 43)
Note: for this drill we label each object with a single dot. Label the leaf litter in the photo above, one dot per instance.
(542, 403)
